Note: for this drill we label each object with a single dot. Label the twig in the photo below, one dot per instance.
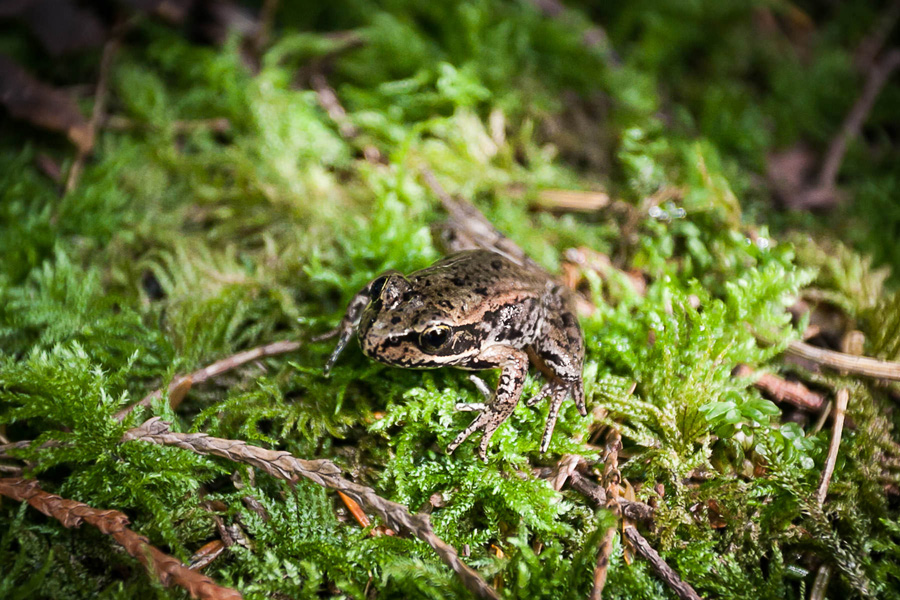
(266, 20)
(840, 407)
(5, 448)
(324, 473)
(564, 469)
(594, 37)
(183, 383)
(820, 583)
(109, 51)
(167, 569)
(216, 125)
(466, 228)
(858, 365)
(781, 390)
(329, 101)
(611, 478)
(868, 49)
(642, 547)
(875, 80)
(635, 511)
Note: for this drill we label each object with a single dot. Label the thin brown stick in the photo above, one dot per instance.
(332, 105)
(875, 80)
(266, 20)
(167, 569)
(643, 548)
(781, 390)
(109, 52)
(594, 37)
(858, 365)
(871, 45)
(840, 407)
(322, 472)
(217, 368)
(216, 125)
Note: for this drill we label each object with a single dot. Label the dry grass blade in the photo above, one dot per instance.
(167, 569)
(322, 472)
(179, 385)
(859, 365)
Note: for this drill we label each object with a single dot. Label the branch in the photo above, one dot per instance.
(181, 384)
(858, 365)
(322, 472)
(167, 569)
(840, 407)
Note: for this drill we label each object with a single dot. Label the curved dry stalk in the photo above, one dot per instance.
(323, 472)
(182, 383)
(840, 407)
(167, 569)
(858, 365)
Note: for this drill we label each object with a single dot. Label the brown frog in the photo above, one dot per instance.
(475, 310)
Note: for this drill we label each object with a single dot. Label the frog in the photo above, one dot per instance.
(475, 310)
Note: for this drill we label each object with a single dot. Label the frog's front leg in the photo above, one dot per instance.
(514, 365)
(349, 324)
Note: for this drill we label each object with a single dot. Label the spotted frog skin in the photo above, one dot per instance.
(474, 310)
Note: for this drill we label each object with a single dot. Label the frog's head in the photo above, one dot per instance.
(404, 326)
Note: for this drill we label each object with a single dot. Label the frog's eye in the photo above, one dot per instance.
(377, 286)
(434, 337)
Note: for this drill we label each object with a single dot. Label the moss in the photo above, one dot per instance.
(181, 246)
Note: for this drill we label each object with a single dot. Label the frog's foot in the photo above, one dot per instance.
(488, 421)
(557, 390)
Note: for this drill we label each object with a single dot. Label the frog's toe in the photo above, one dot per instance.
(546, 390)
(555, 403)
(578, 396)
(478, 423)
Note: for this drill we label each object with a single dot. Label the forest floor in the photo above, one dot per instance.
(192, 191)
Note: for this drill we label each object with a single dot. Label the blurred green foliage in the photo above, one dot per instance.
(182, 245)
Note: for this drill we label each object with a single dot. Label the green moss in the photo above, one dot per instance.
(181, 246)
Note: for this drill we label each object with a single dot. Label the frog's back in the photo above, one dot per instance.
(469, 279)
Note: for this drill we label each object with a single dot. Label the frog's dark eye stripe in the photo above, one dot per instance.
(434, 337)
(377, 286)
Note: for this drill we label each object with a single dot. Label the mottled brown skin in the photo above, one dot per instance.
(474, 310)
